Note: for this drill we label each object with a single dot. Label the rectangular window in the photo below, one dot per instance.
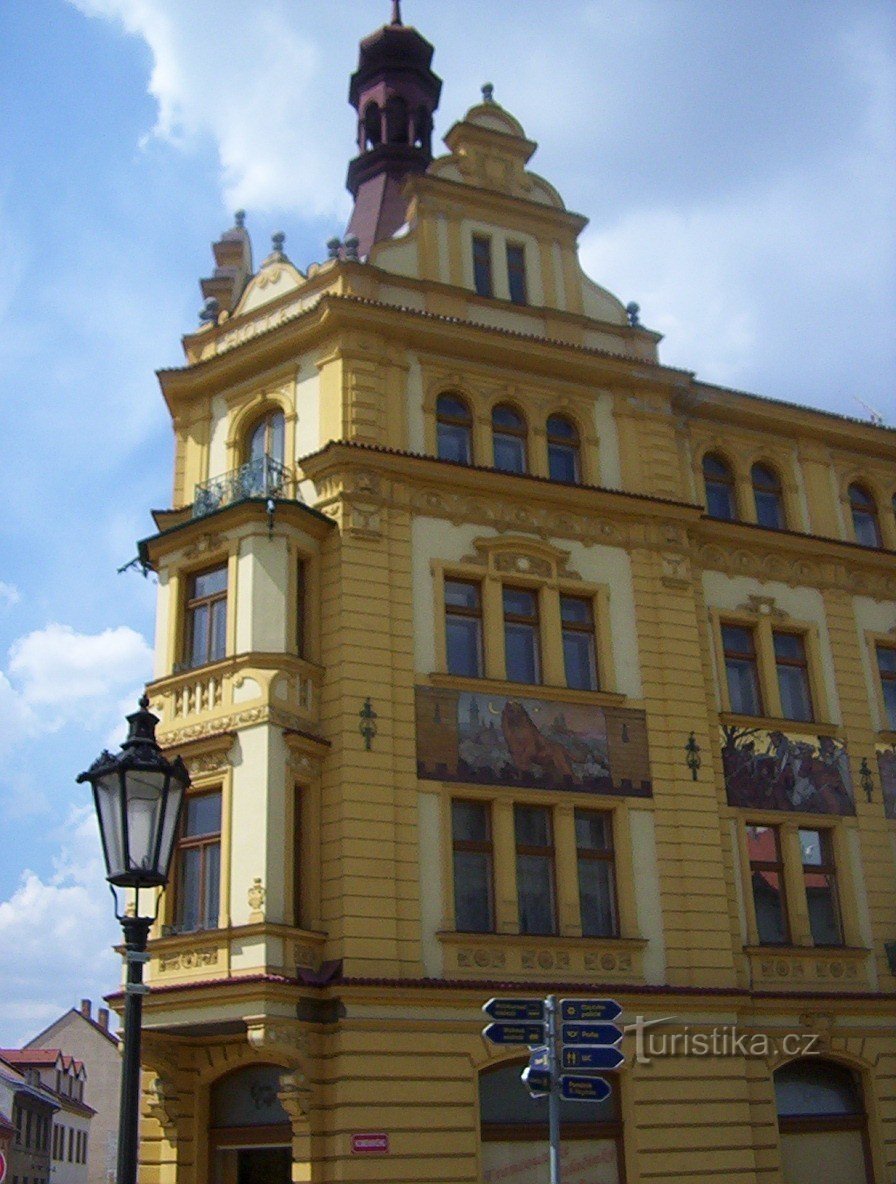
(740, 670)
(793, 675)
(199, 864)
(597, 879)
(820, 879)
(482, 265)
(471, 838)
(463, 628)
(886, 665)
(298, 911)
(579, 651)
(71, 1144)
(516, 273)
(206, 617)
(535, 869)
(301, 609)
(767, 881)
(521, 641)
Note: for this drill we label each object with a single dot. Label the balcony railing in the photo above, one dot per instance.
(262, 477)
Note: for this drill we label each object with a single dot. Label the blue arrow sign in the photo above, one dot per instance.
(591, 1034)
(584, 1089)
(589, 1009)
(537, 1081)
(514, 1033)
(540, 1058)
(602, 1057)
(514, 1009)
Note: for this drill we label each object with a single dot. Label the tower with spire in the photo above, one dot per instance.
(395, 93)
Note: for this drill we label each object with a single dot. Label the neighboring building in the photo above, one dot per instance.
(91, 1042)
(507, 660)
(31, 1109)
(60, 1078)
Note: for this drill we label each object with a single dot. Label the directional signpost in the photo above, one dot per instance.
(585, 1040)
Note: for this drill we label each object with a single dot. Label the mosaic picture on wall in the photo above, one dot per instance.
(886, 765)
(496, 740)
(771, 771)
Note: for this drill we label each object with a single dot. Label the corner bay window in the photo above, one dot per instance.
(767, 883)
(741, 671)
(199, 864)
(463, 628)
(472, 858)
(535, 869)
(579, 652)
(521, 635)
(205, 634)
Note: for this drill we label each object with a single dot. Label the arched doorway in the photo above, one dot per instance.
(514, 1133)
(821, 1120)
(250, 1134)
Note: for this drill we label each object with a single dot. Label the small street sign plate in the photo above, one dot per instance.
(537, 1081)
(589, 1009)
(591, 1034)
(514, 1009)
(584, 1089)
(600, 1057)
(371, 1143)
(540, 1057)
(514, 1033)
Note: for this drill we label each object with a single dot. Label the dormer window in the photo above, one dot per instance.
(516, 273)
(482, 265)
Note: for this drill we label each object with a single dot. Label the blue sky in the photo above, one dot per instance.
(736, 160)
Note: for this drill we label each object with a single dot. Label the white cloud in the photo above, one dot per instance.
(9, 594)
(56, 935)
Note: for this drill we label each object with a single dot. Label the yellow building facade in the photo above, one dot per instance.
(508, 661)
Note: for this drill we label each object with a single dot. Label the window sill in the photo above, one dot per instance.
(540, 690)
(530, 957)
(809, 968)
(771, 723)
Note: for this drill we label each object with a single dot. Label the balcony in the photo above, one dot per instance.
(262, 477)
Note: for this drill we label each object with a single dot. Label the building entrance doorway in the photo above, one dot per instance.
(253, 1165)
(249, 1133)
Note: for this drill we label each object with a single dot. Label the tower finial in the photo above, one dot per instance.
(396, 12)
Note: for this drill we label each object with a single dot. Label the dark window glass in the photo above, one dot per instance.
(454, 429)
(767, 879)
(266, 438)
(563, 450)
(199, 864)
(719, 483)
(815, 1088)
(597, 880)
(740, 670)
(509, 439)
(482, 265)
(463, 628)
(886, 664)
(579, 651)
(768, 497)
(864, 516)
(206, 617)
(301, 608)
(472, 842)
(820, 879)
(516, 273)
(535, 869)
(521, 642)
(505, 1104)
(793, 675)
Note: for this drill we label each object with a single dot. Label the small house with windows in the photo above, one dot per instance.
(508, 660)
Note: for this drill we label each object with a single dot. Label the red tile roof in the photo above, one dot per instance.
(32, 1056)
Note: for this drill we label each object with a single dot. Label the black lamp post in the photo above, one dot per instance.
(138, 795)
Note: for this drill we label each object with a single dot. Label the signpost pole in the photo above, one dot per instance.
(554, 1095)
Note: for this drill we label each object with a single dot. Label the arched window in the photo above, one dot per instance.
(509, 439)
(514, 1132)
(454, 429)
(266, 438)
(864, 516)
(373, 126)
(396, 120)
(262, 474)
(719, 482)
(250, 1134)
(768, 497)
(821, 1120)
(563, 450)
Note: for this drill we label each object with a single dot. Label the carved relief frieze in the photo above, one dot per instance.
(188, 959)
(762, 606)
(204, 544)
(229, 723)
(267, 1035)
(481, 958)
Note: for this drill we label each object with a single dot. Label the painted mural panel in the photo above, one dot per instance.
(539, 743)
(886, 764)
(773, 771)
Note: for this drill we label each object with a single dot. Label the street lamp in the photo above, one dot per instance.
(138, 796)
